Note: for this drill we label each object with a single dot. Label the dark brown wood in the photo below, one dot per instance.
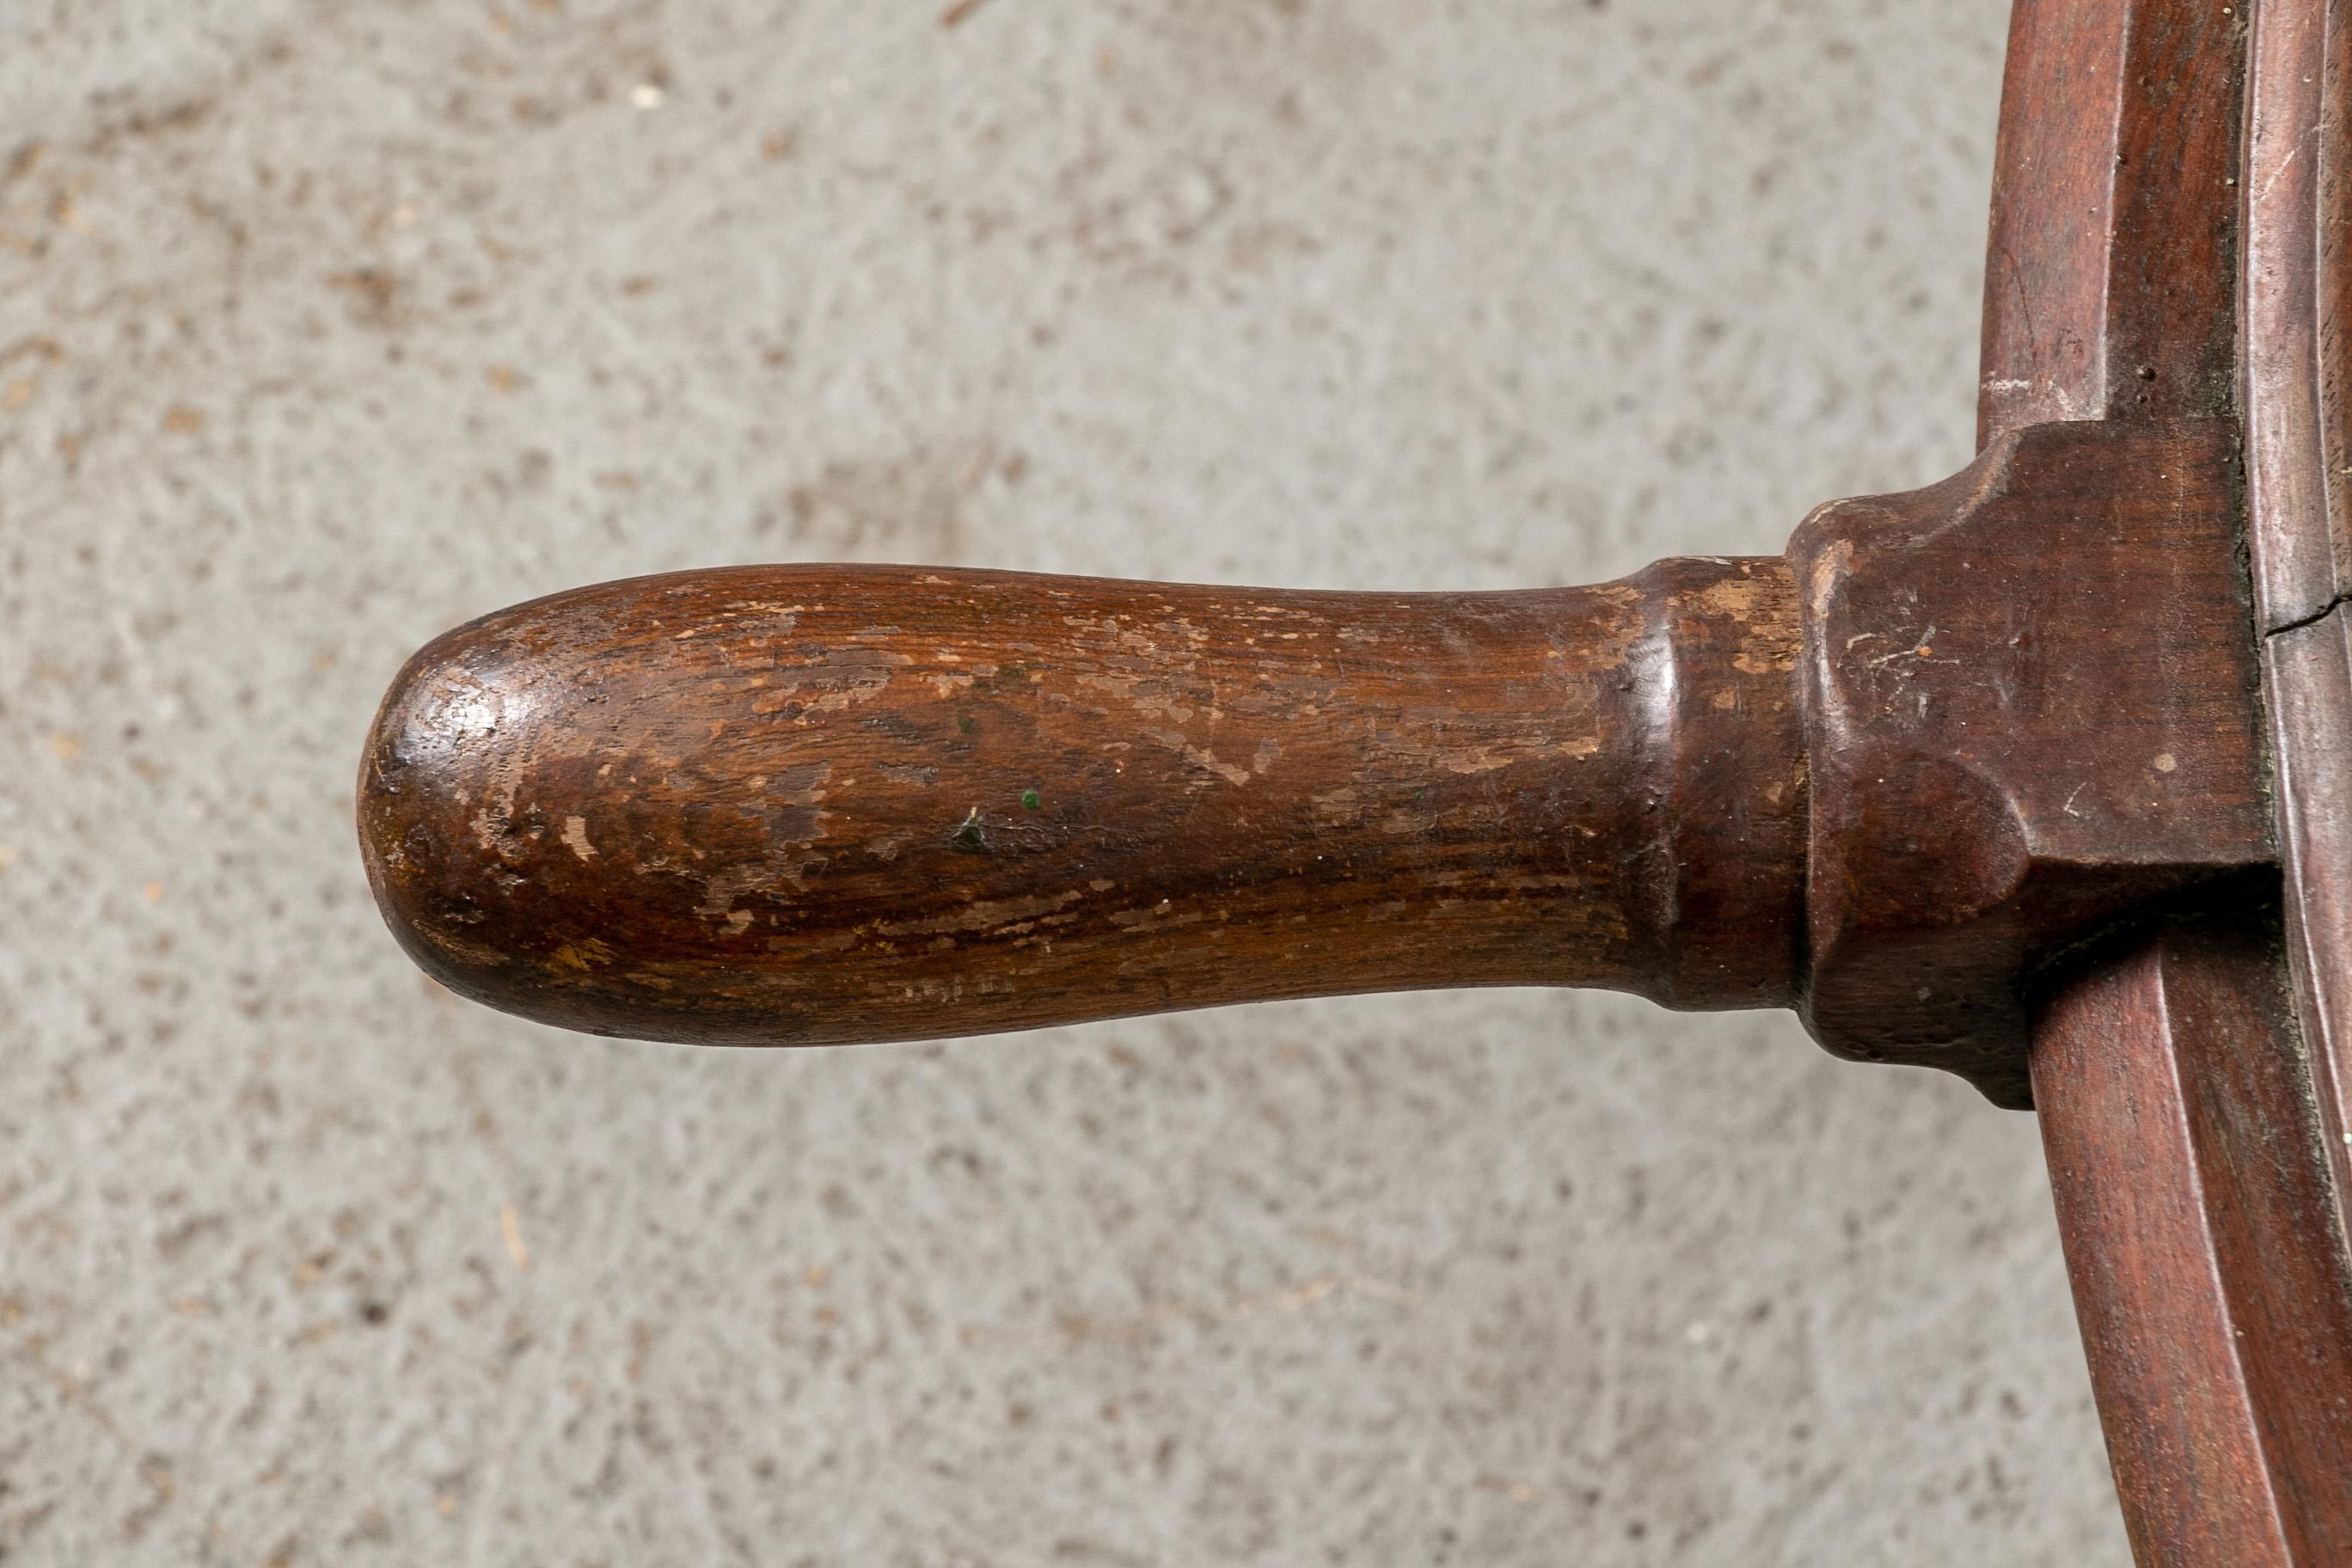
(815, 804)
(2194, 1122)
(2031, 713)
(823, 805)
(2110, 272)
(1979, 763)
(2197, 1194)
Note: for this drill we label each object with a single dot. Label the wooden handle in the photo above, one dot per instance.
(813, 805)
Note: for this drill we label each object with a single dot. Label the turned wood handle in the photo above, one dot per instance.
(813, 805)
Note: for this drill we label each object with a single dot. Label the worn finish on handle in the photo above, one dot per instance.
(819, 804)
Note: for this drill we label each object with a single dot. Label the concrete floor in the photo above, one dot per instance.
(324, 325)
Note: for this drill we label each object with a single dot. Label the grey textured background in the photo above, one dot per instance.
(323, 326)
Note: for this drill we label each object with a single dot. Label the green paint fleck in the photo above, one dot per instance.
(1421, 794)
(964, 726)
(1030, 800)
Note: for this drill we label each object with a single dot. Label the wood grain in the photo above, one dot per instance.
(2193, 1122)
(2111, 265)
(810, 804)
(2201, 1212)
(1979, 765)
(2296, 290)
(2030, 715)
(2298, 286)
(2308, 670)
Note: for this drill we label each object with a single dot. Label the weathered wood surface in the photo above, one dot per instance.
(2197, 1194)
(2110, 273)
(806, 805)
(2190, 1091)
(1991, 755)
(2309, 672)
(2297, 287)
(2031, 713)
